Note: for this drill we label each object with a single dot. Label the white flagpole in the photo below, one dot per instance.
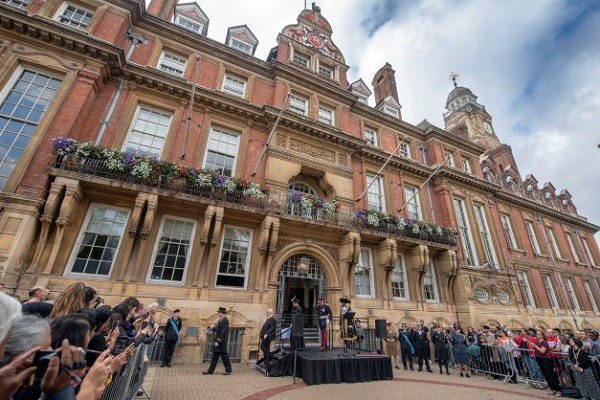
(264, 150)
(424, 183)
(381, 169)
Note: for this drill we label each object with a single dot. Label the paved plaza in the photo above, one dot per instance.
(185, 382)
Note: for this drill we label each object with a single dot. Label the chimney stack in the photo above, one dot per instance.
(384, 84)
(163, 9)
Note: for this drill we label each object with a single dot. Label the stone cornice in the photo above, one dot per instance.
(14, 198)
(51, 35)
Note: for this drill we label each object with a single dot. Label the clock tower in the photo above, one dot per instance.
(465, 115)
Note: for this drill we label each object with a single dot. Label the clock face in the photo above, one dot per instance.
(488, 128)
(315, 40)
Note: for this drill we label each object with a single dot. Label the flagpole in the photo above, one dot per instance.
(266, 145)
(424, 183)
(381, 169)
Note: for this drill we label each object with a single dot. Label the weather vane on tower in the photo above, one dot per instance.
(453, 76)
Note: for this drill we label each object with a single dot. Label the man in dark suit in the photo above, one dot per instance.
(267, 333)
(219, 347)
(172, 337)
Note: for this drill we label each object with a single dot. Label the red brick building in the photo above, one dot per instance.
(147, 159)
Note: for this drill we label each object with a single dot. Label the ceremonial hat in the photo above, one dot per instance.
(344, 300)
(222, 310)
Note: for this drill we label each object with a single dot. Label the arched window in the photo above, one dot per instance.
(298, 202)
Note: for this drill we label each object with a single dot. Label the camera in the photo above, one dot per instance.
(41, 359)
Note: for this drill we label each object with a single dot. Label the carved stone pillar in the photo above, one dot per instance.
(267, 242)
(387, 254)
(70, 203)
(447, 267)
(349, 255)
(417, 261)
(126, 247)
(51, 209)
(145, 246)
(213, 218)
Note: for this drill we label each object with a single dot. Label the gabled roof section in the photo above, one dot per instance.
(193, 13)
(243, 34)
(424, 125)
(314, 31)
(360, 89)
(388, 103)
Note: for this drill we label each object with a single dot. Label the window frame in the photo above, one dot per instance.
(590, 294)
(79, 241)
(449, 157)
(588, 252)
(571, 245)
(323, 108)
(224, 131)
(175, 63)
(19, 4)
(550, 292)
(371, 273)
(13, 116)
(299, 99)
(405, 150)
(240, 45)
(508, 231)
(379, 194)
(370, 131)
(486, 235)
(467, 166)
(465, 231)
(156, 247)
(326, 67)
(535, 245)
(526, 289)
(554, 243)
(179, 18)
(247, 262)
(400, 271)
(430, 273)
(413, 202)
(238, 82)
(301, 59)
(134, 120)
(572, 294)
(77, 7)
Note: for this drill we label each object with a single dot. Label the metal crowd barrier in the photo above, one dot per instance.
(128, 381)
(520, 366)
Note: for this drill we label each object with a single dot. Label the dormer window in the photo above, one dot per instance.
(301, 59)
(241, 46)
(390, 111)
(326, 70)
(188, 24)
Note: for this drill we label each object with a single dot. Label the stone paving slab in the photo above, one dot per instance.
(185, 382)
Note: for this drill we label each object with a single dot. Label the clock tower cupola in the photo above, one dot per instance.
(465, 114)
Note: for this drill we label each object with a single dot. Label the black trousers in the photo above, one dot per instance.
(423, 357)
(265, 346)
(169, 350)
(407, 358)
(547, 367)
(215, 358)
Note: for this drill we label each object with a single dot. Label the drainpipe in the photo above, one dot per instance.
(135, 40)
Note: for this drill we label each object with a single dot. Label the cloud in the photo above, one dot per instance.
(536, 68)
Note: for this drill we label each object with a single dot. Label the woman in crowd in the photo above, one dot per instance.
(461, 355)
(583, 371)
(74, 298)
(541, 349)
(391, 345)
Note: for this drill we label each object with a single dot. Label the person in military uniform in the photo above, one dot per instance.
(172, 336)
(325, 316)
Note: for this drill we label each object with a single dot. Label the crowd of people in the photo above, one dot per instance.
(543, 357)
(75, 346)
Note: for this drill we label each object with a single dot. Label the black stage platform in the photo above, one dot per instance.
(335, 366)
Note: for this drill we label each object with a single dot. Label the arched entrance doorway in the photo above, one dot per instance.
(300, 276)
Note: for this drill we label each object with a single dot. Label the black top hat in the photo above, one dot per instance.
(222, 310)
(344, 300)
(176, 310)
